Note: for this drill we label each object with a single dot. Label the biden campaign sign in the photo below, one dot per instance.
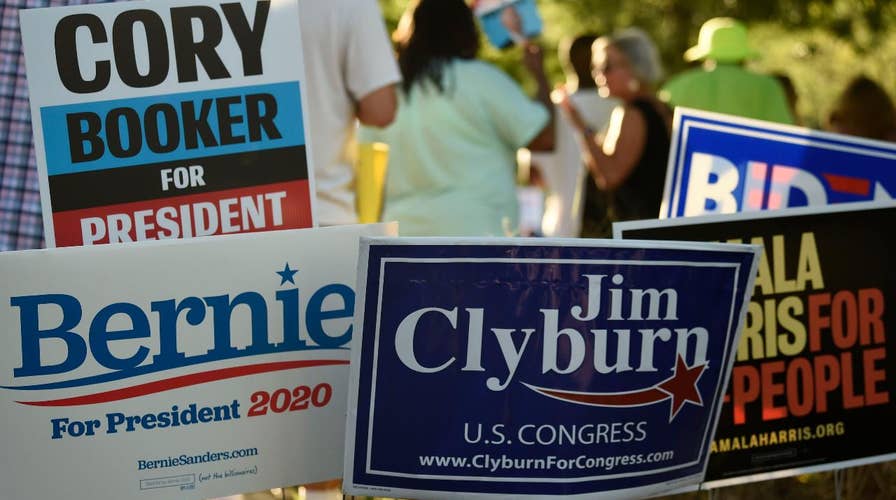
(167, 119)
(725, 164)
(539, 368)
(180, 369)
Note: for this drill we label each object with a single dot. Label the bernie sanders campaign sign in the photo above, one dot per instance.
(167, 119)
(539, 368)
(178, 369)
(725, 164)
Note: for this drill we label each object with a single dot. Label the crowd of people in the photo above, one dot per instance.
(460, 122)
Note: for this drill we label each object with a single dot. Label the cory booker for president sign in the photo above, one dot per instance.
(161, 120)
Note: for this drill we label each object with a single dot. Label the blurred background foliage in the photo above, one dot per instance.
(819, 44)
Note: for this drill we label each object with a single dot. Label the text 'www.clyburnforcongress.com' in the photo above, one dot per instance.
(551, 462)
(199, 458)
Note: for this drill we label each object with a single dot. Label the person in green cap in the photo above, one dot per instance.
(723, 84)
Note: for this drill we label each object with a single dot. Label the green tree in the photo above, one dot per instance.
(820, 44)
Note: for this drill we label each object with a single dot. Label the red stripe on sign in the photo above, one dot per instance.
(284, 205)
(636, 398)
(182, 381)
(849, 185)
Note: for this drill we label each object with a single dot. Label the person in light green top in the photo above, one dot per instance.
(452, 146)
(723, 85)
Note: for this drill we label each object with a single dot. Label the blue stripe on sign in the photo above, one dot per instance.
(800, 134)
(287, 121)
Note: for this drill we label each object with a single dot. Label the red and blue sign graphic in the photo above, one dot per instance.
(725, 164)
(193, 164)
(175, 121)
(537, 369)
(175, 368)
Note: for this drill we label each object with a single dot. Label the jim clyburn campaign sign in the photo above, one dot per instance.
(167, 119)
(539, 368)
(812, 387)
(180, 369)
(725, 164)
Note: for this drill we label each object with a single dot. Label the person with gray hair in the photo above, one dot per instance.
(640, 51)
(563, 172)
(629, 163)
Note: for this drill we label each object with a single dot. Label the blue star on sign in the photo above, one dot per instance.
(287, 274)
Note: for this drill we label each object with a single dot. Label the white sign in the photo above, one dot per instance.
(183, 369)
(168, 119)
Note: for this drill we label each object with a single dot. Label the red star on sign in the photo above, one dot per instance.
(682, 386)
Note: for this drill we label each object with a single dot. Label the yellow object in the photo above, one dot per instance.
(370, 178)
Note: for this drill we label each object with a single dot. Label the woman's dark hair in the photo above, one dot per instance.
(432, 33)
(864, 109)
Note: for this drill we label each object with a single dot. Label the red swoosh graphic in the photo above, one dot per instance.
(681, 387)
(850, 185)
(635, 398)
(182, 381)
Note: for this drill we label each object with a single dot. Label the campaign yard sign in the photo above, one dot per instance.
(539, 368)
(812, 387)
(180, 369)
(725, 164)
(167, 119)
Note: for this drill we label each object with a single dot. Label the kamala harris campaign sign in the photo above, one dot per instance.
(813, 384)
(167, 119)
(725, 164)
(178, 369)
(539, 368)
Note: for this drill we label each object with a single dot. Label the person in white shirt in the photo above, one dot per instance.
(351, 73)
(563, 170)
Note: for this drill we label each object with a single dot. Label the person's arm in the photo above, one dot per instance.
(612, 160)
(533, 60)
(378, 108)
(369, 66)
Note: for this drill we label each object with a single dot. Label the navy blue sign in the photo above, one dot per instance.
(725, 164)
(533, 368)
